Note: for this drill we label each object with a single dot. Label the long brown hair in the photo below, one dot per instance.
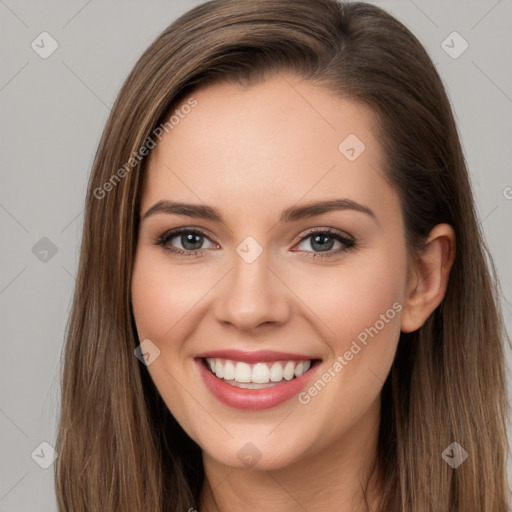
(119, 447)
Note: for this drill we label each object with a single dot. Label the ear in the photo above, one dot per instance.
(428, 277)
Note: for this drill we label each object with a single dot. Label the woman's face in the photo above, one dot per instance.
(264, 293)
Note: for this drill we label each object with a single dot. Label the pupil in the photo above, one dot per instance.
(189, 239)
(322, 246)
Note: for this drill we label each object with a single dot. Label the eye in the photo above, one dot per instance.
(191, 241)
(321, 243)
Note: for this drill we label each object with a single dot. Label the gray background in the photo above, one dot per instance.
(53, 111)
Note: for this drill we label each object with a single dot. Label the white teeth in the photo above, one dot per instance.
(289, 370)
(248, 385)
(219, 369)
(242, 372)
(302, 367)
(229, 370)
(276, 372)
(261, 373)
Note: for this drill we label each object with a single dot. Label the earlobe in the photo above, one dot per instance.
(429, 277)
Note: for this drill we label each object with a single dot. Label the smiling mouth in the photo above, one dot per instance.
(257, 375)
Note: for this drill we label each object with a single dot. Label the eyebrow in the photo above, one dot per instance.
(291, 214)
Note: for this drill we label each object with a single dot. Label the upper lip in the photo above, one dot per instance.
(254, 356)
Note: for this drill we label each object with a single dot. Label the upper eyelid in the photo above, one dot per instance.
(172, 233)
(334, 231)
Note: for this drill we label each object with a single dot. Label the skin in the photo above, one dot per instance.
(252, 152)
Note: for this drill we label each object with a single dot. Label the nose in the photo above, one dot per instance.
(252, 297)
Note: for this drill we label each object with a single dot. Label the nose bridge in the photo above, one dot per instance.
(251, 294)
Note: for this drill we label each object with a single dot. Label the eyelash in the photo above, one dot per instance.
(348, 242)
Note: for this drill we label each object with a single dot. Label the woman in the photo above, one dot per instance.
(283, 301)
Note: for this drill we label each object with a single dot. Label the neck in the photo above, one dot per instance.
(330, 479)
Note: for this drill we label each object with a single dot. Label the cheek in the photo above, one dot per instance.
(361, 305)
(162, 295)
(352, 297)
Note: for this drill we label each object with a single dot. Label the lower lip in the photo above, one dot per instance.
(254, 399)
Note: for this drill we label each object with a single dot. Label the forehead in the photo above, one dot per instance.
(269, 144)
